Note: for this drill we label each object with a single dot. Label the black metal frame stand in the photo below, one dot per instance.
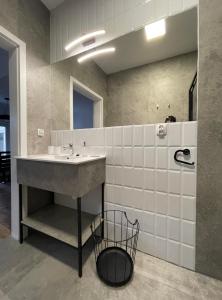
(79, 220)
(102, 209)
(20, 215)
(79, 224)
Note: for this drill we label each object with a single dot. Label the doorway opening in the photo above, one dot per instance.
(13, 128)
(86, 106)
(5, 154)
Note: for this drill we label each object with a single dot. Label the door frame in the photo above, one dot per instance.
(87, 92)
(18, 114)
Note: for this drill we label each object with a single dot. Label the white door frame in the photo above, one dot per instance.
(18, 114)
(86, 91)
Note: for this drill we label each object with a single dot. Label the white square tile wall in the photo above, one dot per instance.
(143, 179)
(149, 135)
(173, 252)
(161, 180)
(138, 157)
(149, 201)
(117, 136)
(149, 179)
(162, 158)
(108, 136)
(174, 205)
(161, 203)
(149, 157)
(138, 135)
(127, 136)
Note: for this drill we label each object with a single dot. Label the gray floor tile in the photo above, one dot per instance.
(44, 269)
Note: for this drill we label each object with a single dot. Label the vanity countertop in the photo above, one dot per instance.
(63, 174)
(65, 159)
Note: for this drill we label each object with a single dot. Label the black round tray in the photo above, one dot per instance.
(114, 266)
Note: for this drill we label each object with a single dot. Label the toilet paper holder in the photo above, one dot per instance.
(185, 152)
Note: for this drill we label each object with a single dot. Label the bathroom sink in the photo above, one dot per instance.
(64, 174)
(75, 157)
(63, 158)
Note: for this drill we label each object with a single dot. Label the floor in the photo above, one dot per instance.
(5, 210)
(44, 269)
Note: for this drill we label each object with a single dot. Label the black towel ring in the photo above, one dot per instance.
(185, 152)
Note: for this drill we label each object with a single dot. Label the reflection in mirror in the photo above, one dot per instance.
(146, 80)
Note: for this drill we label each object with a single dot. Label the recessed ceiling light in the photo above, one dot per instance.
(84, 38)
(96, 53)
(155, 29)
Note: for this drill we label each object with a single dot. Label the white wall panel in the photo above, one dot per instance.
(143, 180)
(175, 6)
(118, 17)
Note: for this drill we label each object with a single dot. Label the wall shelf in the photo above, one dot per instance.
(60, 222)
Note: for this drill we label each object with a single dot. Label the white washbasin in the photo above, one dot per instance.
(62, 158)
(75, 157)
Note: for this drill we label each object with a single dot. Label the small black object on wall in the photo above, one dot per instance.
(185, 152)
(170, 119)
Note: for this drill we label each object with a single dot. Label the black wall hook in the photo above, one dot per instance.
(185, 152)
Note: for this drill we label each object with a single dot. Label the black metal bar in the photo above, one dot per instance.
(114, 223)
(185, 152)
(107, 229)
(121, 234)
(192, 87)
(20, 215)
(127, 224)
(102, 228)
(79, 214)
(52, 197)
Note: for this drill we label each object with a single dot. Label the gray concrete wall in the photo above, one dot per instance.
(47, 86)
(88, 73)
(209, 168)
(134, 93)
(30, 21)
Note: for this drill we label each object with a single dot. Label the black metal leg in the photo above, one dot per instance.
(79, 236)
(20, 215)
(102, 229)
(52, 197)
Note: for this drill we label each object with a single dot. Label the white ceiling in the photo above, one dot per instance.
(134, 50)
(51, 4)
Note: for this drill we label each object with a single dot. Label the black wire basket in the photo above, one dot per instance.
(115, 240)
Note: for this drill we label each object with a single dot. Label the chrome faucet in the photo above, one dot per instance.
(70, 147)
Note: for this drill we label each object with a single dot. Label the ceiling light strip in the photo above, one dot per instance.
(84, 38)
(96, 53)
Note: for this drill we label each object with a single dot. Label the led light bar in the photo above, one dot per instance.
(84, 38)
(96, 53)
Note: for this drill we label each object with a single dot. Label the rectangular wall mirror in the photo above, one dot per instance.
(145, 80)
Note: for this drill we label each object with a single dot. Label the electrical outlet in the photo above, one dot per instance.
(41, 132)
(161, 130)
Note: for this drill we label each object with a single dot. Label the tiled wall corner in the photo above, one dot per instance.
(143, 179)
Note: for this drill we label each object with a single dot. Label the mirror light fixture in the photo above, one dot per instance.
(84, 38)
(95, 53)
(155, 29)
